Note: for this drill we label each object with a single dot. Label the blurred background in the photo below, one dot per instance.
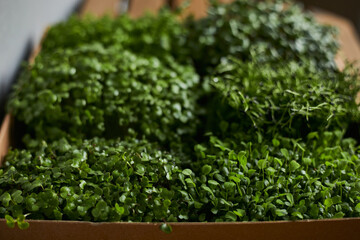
(22, 24)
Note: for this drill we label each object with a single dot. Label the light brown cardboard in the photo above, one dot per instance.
(5, 135)
(139, 7)
(348, 38)
(197, 8)
(329, 229)
(99, 8)
(332, 229)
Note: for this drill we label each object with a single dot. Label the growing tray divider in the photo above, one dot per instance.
(329, 229)
(99, 8)
(135, 8)
(348, 38)
(5, 136)
(138, 7)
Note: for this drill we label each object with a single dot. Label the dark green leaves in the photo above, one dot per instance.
(159, 35)
(17, 196)
(273, 189)
(129, 190)
(206, 169)
(101, 210)
(252, 98)
(119, 127)
(66, 192)
(231, 216)
(5, 199)
(285, 153)
(112, 93)
(267, 31)
(140, 169)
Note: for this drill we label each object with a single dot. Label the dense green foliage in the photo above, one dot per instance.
(267, 30)
(158, 36)
(288, 98)
(94, 180)
(281, 179)
(101, 180)
(95, 91)
(120, 127)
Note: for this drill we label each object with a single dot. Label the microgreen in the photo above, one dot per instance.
(95, 91)
(160, 36)
(271, 31)
(120, 127)
(166, 228)
(291, 99)
(20, 221)
(293, 192)
(103, 185)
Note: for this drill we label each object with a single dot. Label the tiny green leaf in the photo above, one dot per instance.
(339, 215)
(10, 221)
(231, 216)
(23, 225)
(166, 228)
(297, 214)
(5, 198)
(275, 142)
(328, 202)
(187, 172)
(294, 165)
(357, 207)
(281, 212)
(262, 164)
(306, 161)
(119, 210)
(213, 182)
(206, 169)
(285, 153)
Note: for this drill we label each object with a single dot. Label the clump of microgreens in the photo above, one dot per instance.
(119, 127)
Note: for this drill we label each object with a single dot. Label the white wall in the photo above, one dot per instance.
(22, 23)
